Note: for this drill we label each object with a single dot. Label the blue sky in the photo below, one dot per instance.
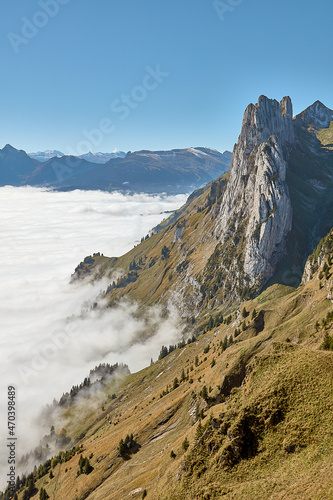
(154, 74)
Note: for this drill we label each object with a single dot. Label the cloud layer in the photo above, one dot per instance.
(44, 235)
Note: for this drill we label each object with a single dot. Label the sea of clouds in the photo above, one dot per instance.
(47, 345)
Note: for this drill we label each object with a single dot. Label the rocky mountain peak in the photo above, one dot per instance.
(256, 215)
(260, 216)
(267, 117)
(317, 115)
(11, 153)
(9, 149)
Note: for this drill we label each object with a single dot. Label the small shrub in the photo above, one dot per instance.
(175, 384)
(84, 466)
(204, 393)
(43, 495)
(165, 252)
(185, 444)
(199, 431)
(125, 445)
(327, 343)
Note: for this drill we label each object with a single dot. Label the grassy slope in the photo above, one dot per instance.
(274, 430)
(286, 405)
(326, 136)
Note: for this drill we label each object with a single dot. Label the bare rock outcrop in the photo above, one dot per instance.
(256, 204)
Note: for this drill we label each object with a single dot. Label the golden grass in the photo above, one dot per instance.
(325, 136)
(285, 372)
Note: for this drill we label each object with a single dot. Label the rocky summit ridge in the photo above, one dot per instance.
(273, 212)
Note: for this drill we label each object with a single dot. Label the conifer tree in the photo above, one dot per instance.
(199, 431)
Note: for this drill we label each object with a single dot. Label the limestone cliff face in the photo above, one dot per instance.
(267, 117)
(256, 207)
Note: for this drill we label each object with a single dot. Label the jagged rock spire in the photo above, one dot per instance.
(267, 117)
(256, 206)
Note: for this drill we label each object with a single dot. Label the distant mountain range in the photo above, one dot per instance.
(102, 157)
(44, 156)
(176, 171)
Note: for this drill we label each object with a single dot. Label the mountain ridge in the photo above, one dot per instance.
(43, 156)
(99, 157)
(176, 171)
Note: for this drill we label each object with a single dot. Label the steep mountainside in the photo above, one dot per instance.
(309, 178)
(256, 214)
(176, 171)
(279, 201)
